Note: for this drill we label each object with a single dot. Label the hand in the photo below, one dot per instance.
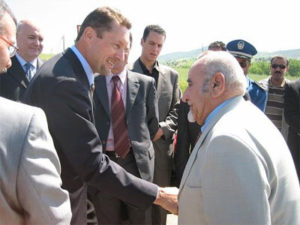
(158, 134)
(167, 198)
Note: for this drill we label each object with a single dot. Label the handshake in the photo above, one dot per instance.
(167, 198)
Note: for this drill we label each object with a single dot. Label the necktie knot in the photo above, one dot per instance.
(27, 66)
(115, 79)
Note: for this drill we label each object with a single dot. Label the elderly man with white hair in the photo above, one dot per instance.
(236, 173)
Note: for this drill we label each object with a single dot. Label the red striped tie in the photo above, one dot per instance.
(121, 138)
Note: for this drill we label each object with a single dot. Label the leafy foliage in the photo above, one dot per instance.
(260, 69)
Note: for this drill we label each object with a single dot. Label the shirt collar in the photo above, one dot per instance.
(23, 61)
(215, 111)
(87, 69)
(121, 75)
(281, 85)
(145, 69)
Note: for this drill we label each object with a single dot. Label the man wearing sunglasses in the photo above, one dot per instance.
(243, 51)
(25, 63)
(275, 84)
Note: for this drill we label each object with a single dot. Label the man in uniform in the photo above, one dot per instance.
(243, 51)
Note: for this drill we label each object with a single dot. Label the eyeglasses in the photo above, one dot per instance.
(12, 49)
(281, 66)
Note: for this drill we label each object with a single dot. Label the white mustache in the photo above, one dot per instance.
(190, 117)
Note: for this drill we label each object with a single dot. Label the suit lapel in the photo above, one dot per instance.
(193, 158)
(101, 93)
(18, 73)
(161, 80)
(132, 90)
(203, 136)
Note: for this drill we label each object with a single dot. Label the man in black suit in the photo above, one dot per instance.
(140, 104)
(62, 88)
(30, 45)
(292, 118)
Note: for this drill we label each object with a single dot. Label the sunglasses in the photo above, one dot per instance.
(281, 66)
(12, 49)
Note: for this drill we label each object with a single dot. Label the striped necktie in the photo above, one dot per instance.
(119, 126)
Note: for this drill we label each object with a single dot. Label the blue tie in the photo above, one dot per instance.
(28, 70)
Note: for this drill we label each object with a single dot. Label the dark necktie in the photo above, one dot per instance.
(28, 70)
(121, 138)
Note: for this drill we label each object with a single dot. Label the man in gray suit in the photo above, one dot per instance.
(140, 103)
(30, 183)
(25, 63)
(236, 173)
(168, 94)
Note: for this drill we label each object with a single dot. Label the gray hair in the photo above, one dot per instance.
(5, 9)
(223, 62)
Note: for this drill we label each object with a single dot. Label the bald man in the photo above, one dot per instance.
(25, 63)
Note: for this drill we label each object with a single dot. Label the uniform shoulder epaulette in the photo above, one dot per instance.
(261, 86)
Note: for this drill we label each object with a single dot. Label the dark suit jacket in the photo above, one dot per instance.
(187, 135)
(141, 118)
(13, 83)
(292, 118)
(62, 90)
(168, 94)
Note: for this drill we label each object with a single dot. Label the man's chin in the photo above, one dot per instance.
(104, 71)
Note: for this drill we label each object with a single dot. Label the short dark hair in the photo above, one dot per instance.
(101, 20)
(217, 44)
(280, 57)
(154, 28)
(5, 9)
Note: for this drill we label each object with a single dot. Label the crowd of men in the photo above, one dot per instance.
(99, 134)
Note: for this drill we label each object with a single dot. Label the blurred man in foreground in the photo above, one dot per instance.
(30, 190)
(236, 174)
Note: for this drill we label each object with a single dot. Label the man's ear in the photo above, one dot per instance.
(218, 84)
(88, 33)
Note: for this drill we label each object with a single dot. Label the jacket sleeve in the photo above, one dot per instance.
(152, 110)
(292, 106)
(169, 125)
(38, 182)
(183, 144)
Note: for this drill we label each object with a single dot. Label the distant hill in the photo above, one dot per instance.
(292, 53)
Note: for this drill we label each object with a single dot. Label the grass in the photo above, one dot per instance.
(183, 75)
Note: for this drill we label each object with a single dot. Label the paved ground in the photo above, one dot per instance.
(171, 219)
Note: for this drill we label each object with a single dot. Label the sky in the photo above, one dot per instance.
(270, 25)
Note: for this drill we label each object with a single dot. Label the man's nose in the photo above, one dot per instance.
(185, 96)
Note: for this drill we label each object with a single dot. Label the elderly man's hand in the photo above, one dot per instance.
(167, 198)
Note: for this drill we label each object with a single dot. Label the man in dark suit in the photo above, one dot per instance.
(168, 94)
(292, 118)
(140, 103)
(30, 45)
(187, 135)
(62, 87)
